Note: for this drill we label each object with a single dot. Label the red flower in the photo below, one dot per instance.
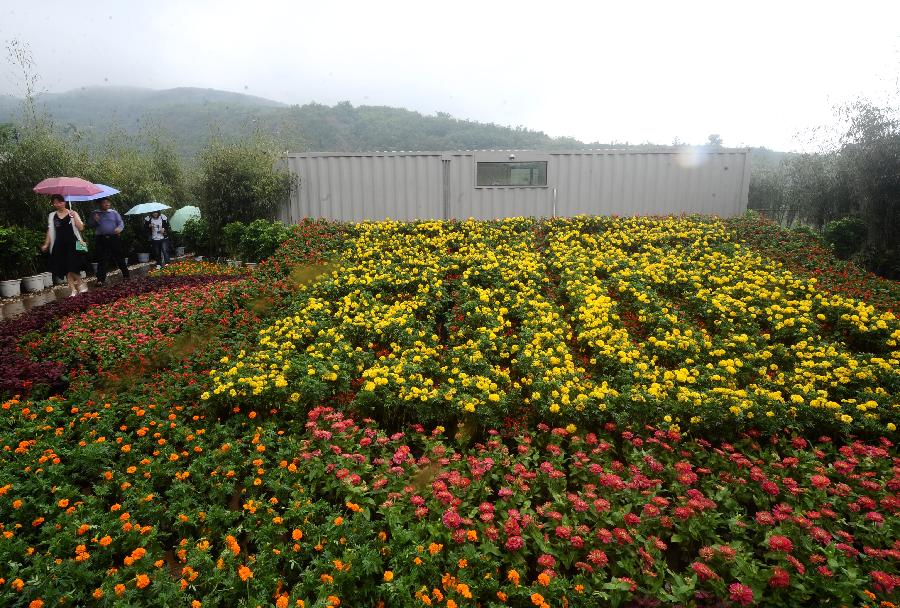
(597, 557)
(780, 543)
(704, 572)
(780, 578)
(514, 543)
(820, 481)
(740, 594)
(884, 581)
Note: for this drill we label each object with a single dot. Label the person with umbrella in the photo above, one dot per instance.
(67, 247)
(157, 226)
(108, 224)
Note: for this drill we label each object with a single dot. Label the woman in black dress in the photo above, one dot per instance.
(63, 232)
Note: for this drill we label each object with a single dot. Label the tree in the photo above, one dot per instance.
(714, 141)
(240, 182)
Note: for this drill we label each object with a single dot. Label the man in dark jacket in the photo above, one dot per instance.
(108, 224)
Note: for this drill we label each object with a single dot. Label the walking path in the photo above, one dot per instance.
(13, 307)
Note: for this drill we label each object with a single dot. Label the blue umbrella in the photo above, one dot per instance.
(146, 208)
(104, 192)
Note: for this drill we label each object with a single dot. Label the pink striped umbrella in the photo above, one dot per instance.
(67, 186)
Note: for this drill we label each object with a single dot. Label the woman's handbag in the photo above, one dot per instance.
(81, 246)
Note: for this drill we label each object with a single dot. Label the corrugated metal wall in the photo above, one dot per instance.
(366, 187)
(434, 185)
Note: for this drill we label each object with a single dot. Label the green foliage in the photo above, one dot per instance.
(860, 178)
(143, 172)
(240, 182)
(19, 255)
(261, 238)
(847, 235)
(28, 155)
(231, 238)
(195, 236)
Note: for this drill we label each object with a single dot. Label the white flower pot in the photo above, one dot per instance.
(10, 288)
(48, 279)
(33, 283)
(143, 257)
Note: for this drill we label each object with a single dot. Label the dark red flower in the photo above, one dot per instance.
(780, 578)
(740, 594)
(781, 544)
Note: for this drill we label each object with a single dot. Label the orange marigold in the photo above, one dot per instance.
(513, 576)
(142, 581)
(245, 573)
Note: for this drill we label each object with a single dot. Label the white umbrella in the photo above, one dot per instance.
(146, 208)
(180, 217)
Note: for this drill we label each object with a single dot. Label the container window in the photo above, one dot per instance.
(521, 174)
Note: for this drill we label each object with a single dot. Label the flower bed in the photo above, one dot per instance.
(806, 254)
(195, 268)
(19, 373)
(666, 322)
(469, 413)
(103, 336)
(156, 505)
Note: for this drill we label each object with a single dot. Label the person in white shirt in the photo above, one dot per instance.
(157, 226)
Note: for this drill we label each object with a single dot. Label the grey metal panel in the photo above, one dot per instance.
(418, 185)
(362, 187)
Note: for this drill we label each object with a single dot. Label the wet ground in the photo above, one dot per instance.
(13, 307)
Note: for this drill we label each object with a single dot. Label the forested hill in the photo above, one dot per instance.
(190, 116)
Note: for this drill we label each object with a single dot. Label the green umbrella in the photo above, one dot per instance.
(180, 217)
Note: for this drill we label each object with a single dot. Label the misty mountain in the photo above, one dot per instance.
(190, 116)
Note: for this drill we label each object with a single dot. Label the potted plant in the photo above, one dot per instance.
(18, 256)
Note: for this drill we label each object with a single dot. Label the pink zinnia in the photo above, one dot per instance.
(451, 519)
(740, 594)
(597, 557)
(780, 543)
(546, 560)
(878, 518)
(514, 543)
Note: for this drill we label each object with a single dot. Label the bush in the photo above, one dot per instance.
(846, 235)
(19, 252)
(261, 238)
(240, 182)
(231, 238)
(31, 154)
(195, 236)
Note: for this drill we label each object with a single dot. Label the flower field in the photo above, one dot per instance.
(577, 412)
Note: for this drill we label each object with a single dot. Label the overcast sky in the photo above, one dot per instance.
(757, 73)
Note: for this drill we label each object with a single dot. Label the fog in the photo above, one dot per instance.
(758, 73)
